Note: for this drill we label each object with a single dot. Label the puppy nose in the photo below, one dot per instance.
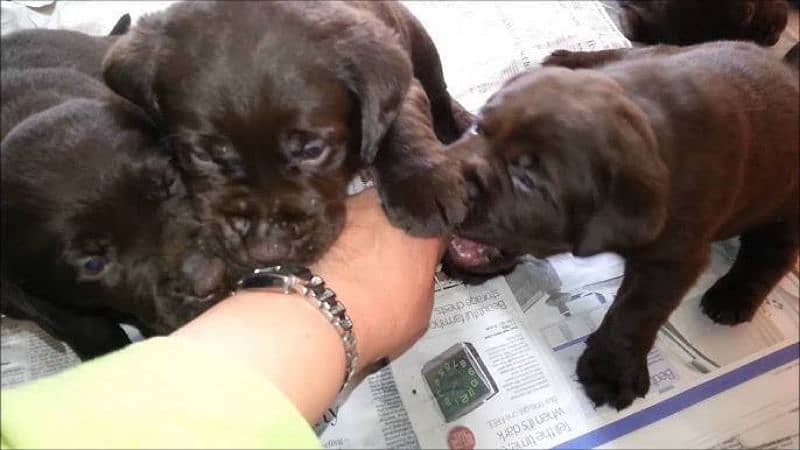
(204, 274)
(269, 250)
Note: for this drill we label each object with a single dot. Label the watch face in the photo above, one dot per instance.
(458, 380)
(289, 269)
(278, 278)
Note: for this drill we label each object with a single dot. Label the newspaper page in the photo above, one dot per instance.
(27, 353)
(482, 44)
(527, 329)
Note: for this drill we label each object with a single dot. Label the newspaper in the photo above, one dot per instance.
(528, 329)
(28, 353)
(482, 44)
(96, 17)
(520, 335)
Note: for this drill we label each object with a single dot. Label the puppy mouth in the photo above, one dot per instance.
(478, 258)
(467, 253)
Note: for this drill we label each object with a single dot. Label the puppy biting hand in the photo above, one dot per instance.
(652, 157)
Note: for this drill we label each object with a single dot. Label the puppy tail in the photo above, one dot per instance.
(793, 57)
(122, 26)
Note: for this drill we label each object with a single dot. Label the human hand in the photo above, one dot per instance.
(383, 276)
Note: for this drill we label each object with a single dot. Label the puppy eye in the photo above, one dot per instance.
(200, 154)
(222, 152)
(93, 267)
(477, 129)
(522, 172)
(224, 156)
(528, 161)
(313, 152)
(522, 179)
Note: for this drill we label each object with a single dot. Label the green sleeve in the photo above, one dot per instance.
(163, 392)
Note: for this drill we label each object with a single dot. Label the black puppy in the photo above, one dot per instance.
(683, 22)
(43, 48)
(96, 228)
(653, 155)
(274, 109)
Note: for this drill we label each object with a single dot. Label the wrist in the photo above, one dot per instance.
(388, 303)
(283, 337)
(352, 293)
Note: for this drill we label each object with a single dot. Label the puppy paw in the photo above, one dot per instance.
(612, 375)
(562, 58)
(727, 304)
(429, 203)
(579, 60)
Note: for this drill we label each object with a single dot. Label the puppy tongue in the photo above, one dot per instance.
(468, 253)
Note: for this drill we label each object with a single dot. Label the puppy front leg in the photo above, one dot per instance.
(584, 60)
(595, 59)
(87, 334)
(613, 368)
(421, 191)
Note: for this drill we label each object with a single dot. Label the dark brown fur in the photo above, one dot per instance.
(46, 48)
(684, 22)
(96, 228)
(653, 155)
(249, 102)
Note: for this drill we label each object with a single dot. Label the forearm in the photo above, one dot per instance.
(363, 289)
(294, 346)
(285, 338)
(163, 392)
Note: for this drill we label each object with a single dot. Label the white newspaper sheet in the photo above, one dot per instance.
(28, 353)
(528, 329)
(483, 44)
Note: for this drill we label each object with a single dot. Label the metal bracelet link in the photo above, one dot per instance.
(300, 280)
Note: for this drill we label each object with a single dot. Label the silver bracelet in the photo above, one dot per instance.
(299, 280)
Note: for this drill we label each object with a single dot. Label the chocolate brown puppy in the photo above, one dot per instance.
(684, 22)
(274, 109)
(652, 157)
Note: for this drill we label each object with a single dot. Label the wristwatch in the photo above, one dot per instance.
(289, 279)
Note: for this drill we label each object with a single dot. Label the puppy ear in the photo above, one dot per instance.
(131, 65)
(378, 71)
(635, 207)
(632, 24)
